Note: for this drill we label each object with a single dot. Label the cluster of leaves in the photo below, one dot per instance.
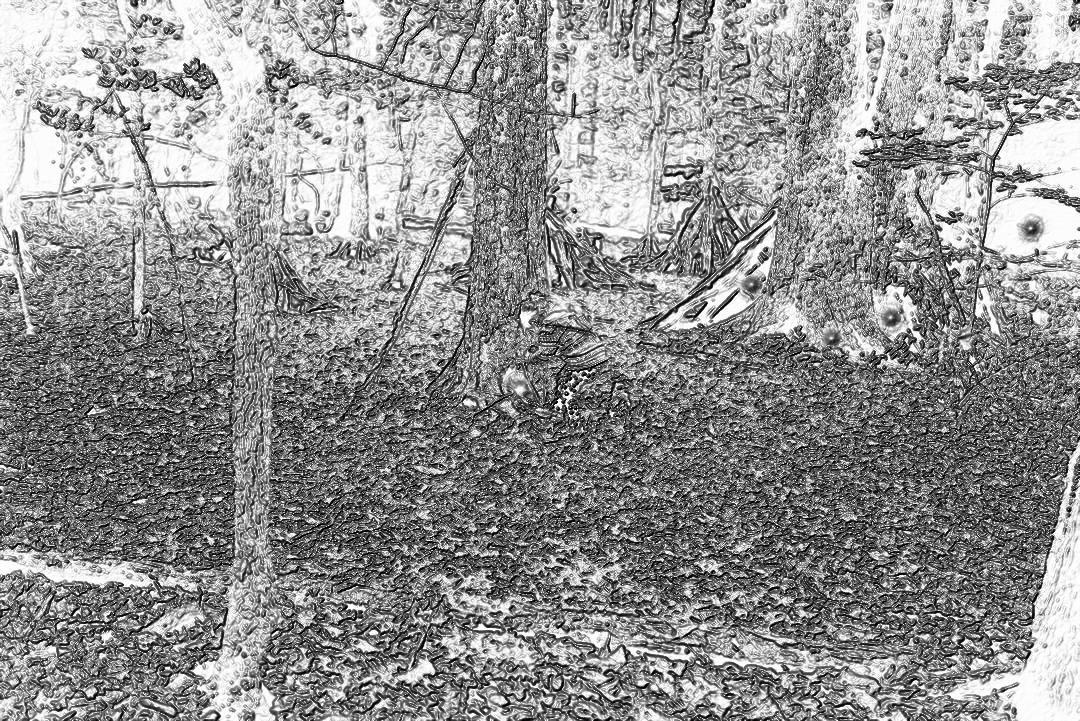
(909, 149)
(119, 69)
(1005, 88)
(63, 119)
(201, 76)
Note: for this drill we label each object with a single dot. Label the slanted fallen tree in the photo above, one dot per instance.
(732, 288)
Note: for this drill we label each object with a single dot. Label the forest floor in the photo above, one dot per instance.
(759, 530)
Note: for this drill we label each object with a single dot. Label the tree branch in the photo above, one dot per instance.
(946, 277)
(431, 85)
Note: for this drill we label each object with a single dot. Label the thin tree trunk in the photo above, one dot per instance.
(1049, 686)
(657, 160)
(407, 144)
(360, 218)
(507, 262)
(257, 201)
(13, 241)
(140, 319)
(17, 125)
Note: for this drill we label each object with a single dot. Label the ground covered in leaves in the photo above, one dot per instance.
(761, 530)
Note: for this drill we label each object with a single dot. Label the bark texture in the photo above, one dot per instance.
(657, 158)
(1049, 688)
(140, 318)
(834, 247)
(257, 198)
(507, 261)
(360, 216)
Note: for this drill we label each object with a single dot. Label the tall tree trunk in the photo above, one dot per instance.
(257, 202)
(1049, 686)
(360, 216)
(15, 248)
(834, 243)
(510, 151)
(406, 131)
(657, 159)
(14, 127)
(140, 319)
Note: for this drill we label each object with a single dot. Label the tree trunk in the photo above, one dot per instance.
(507, 262)
(1049, 686)
(406, 139)
(657, 160)
(15, 247)
(140, 319)
(256, 200)
(14, 128)
(360, 217)
(834, 240)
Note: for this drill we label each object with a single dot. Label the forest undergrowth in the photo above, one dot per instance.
(872, 537)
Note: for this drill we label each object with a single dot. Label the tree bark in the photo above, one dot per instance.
(14, 128)
(140, 319)
(657, 159)
(14, 244)
(360, 217)
(1049, 686)
(257, 200)
(507, 262)
(834, 240)
(406, 139)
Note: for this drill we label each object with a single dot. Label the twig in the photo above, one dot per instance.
(414, 287)
(465, 43)
(991, 164)
(430, 84)
(946, 277)
(397, 37)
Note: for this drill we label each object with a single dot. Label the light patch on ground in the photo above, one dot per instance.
(177, 620)
(978, 689)
(59, 569)
(417, 673)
